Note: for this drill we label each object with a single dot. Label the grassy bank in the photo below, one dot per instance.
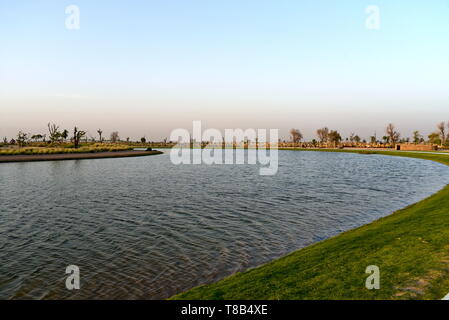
(66, 150)
(410, 246)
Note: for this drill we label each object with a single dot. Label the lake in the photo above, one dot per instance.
(143, 228)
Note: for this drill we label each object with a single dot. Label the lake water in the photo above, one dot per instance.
(142, 228)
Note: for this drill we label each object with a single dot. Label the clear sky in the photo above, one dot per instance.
(147, 67)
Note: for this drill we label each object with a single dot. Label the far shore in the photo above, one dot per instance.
(76, 156)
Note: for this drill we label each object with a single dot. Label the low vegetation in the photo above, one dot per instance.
(60, 141)
(61, 150)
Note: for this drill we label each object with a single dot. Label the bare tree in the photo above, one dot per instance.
(77, 135)
(296, 135)
(53, 131)
(100, 132)
(114, 137)
(447, 129)
(22, 138)
(323, 134)
(442, 131)
(352, 136)
(392, 134)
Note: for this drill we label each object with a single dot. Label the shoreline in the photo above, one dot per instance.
(410, 247)
(75, 156)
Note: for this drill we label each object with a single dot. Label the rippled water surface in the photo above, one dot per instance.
(144, 228)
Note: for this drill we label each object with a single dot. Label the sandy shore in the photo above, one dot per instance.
(76, 156)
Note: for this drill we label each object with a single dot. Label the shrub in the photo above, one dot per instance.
(65, 149)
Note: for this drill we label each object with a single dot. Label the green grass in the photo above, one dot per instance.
(410, 246)
(64, 150)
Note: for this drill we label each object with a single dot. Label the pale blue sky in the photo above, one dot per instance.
(147, 67)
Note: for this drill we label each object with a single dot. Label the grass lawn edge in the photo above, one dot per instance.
(410, 247)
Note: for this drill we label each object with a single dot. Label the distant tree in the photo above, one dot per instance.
(53, 131)
(77, 135)
(143, 140)
(357, 139)
(352, 137)
(392, 134)
(442, 131)
(447, 136)
(417, 137)
(64, 135)
(447, 127)
(435, 138)
(36, 137)
(373, 140)
(114, 137)
(334, 137)
(100, 132)
(22, 138)
(323, 134)
(296, 135)
(5, 140)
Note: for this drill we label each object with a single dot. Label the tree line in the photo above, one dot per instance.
(56, 135)
(324, 136)
(392, 137)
